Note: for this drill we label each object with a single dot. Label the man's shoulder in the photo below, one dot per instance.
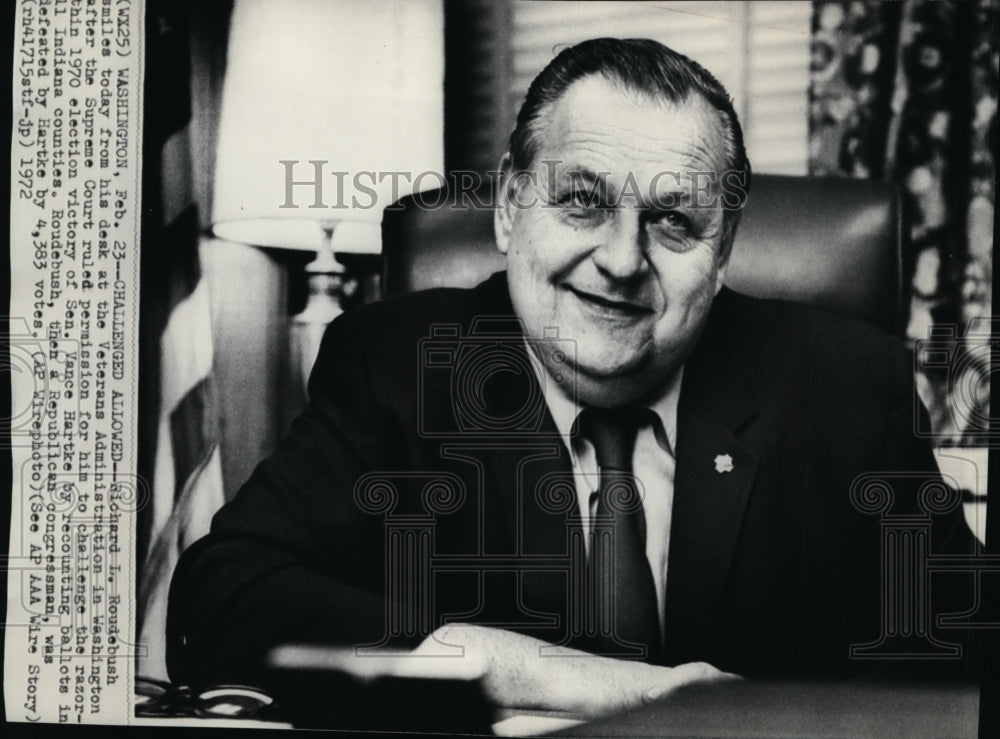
(416, 312)
(386, 338)
(770, 333)
(777, 320)
(409, 317)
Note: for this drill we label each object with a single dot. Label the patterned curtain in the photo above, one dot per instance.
(907, 92)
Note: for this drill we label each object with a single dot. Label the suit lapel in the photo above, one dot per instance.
(715, 471)
(526, 466)
(531, 476)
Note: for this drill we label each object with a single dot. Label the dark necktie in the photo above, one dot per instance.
(624, 596)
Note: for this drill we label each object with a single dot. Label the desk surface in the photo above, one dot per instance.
(745, 709)
(748, 709)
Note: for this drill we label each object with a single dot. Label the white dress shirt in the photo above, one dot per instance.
(652, 465)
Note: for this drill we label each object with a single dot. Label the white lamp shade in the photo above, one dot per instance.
(356, 86)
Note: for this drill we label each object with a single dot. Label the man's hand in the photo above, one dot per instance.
(520, 672)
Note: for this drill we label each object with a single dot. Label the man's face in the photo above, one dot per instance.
(612, 243)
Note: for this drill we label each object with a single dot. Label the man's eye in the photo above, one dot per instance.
(583, 207)
(673, 230)
(582, 199)
(673, 221)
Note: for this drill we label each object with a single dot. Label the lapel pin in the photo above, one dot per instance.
(723, 463)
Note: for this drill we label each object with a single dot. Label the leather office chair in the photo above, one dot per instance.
(830, 242)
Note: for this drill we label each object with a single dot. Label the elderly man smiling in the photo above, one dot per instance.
(657, 488)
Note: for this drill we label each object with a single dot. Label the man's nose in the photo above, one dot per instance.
(622, 254)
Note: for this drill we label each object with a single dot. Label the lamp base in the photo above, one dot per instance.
(307, 328)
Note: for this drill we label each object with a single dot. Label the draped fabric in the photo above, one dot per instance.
(178, 444)
(907, 92)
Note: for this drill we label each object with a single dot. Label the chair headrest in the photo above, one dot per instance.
(830, 242)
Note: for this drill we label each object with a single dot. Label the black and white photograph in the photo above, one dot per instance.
(508, 368)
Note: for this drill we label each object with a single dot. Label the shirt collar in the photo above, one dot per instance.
(565, 410)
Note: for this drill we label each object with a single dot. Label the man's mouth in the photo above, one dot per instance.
(611, 304)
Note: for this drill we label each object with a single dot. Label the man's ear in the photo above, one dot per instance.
(726, 249)
(503, 215)
(720, 274)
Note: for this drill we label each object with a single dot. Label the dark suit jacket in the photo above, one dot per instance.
(413, 436)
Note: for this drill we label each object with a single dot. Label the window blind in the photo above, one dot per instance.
(758, 50)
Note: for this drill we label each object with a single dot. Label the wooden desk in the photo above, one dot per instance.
(732, 709)
(746, 709)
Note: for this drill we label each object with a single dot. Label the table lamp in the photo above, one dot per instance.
(331, 110)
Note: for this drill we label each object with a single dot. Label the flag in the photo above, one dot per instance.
(179, 444)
